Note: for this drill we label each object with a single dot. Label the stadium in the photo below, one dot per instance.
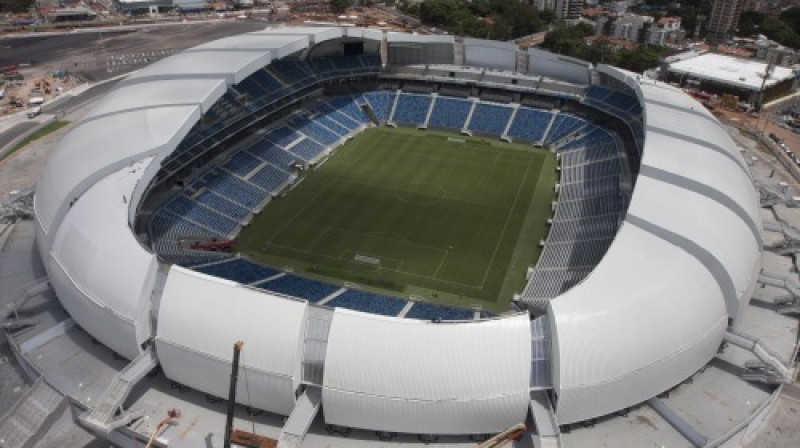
(435, 236)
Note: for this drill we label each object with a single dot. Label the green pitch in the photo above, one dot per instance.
(451, 219)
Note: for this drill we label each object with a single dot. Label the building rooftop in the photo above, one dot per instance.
(747, 74)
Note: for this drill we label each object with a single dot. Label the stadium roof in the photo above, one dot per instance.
(743, 73)
(650, 314)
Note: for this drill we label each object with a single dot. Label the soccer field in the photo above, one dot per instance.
(450, 219)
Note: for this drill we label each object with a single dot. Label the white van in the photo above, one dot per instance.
(36, 101)
(35, 111)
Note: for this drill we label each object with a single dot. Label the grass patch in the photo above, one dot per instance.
(403, 211)
(41, 132)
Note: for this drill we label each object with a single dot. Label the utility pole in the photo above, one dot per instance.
(237, 350)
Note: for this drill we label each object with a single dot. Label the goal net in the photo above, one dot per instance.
(367, 260)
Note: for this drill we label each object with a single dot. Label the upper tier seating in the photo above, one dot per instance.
(449, 113)
(530, 124)
(238, 270)
(411, 108)
(295, 286)
(381, 103)
(368, 302)
(490, 118)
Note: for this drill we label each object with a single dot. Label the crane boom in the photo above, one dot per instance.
(503, 438)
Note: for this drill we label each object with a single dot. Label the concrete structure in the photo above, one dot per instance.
(637, 326)
(720, 74)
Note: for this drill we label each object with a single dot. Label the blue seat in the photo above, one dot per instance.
(429, 311)
(381, 103)
(529, 124)
(368, 302)
(238, 270)
(449, 113)
(304, 288)
(490, 118)
(411, 108)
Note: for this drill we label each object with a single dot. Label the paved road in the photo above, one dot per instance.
(17, 130)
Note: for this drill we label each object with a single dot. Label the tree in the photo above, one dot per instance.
(750, 23)
(340, 5)
(791, 17)
(780, 32)
(15, 5)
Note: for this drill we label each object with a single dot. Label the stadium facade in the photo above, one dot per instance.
(642, 312)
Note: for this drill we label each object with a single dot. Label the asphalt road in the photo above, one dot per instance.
(17, 130)
(66, 49)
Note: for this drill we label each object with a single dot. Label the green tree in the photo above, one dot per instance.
(791, 17)
(750, 23)
(340, 5)
(780, 32)
(15, 5)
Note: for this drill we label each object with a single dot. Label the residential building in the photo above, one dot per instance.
(665, 31)
(724, 18)
(568, 9)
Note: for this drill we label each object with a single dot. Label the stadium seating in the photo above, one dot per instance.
(283, 136)
(307, 150)
(563, 125)
(381, 104)
(429, 311)
(368, 302)
(490, 118)
(270, 178)
(206, 217)
(304, 288)
(596, 226)
(530, 124)
(411, 108)
(235, 189)
(222, 205)
(574, 254)
(241, 163)
(238, 270)
(551, 283)
(267, 151)
(449, 113)
(291, 71)
(346, 105)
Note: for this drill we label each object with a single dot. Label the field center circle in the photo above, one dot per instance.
(421, 193)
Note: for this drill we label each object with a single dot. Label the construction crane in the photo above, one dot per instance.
(172, 418)
(505, 437)
(237, 436)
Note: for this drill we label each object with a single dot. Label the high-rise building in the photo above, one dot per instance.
(568, 9)
(724, 18)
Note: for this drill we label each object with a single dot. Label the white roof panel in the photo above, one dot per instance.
(648, 301)
(201, 317)
(316, 34)
(406, 375)
(744, 73)
(95, 148)
(159, 93)
(231, 65)
(97, 251)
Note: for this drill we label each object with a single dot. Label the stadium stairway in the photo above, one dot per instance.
(100, 417)
(515, 109)
(303, 414)
(430, 111)
(545, 419)
(32, 416)
(390, 120)
(549, 126)
(465, 129)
